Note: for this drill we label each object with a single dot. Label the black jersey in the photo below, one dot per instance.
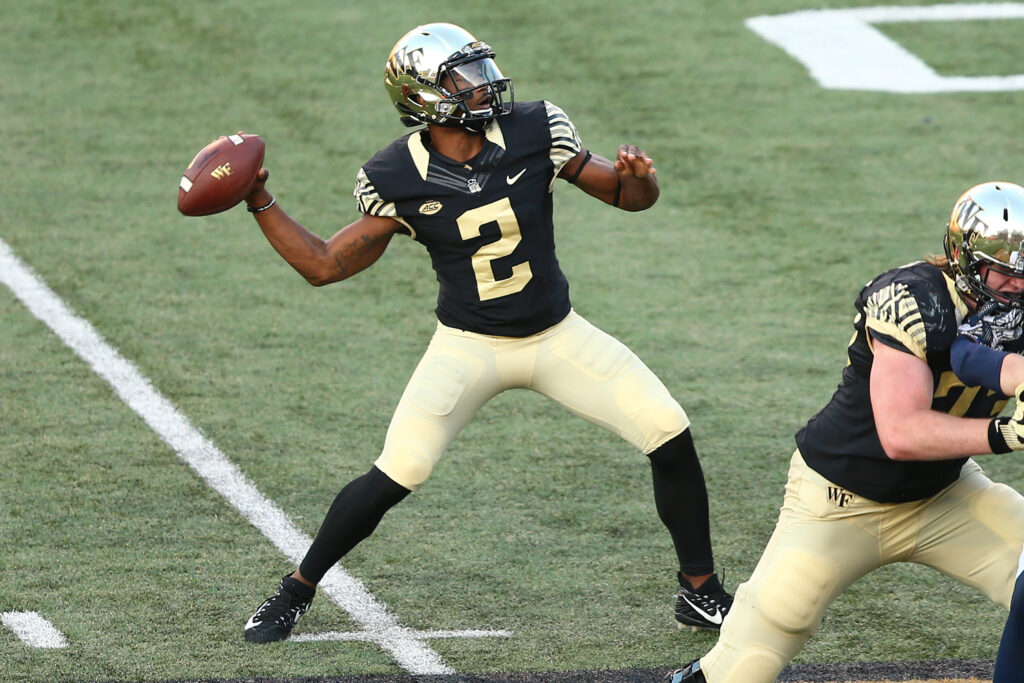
(916, 309)
(486, 222)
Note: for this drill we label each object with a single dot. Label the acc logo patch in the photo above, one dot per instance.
(430, 208)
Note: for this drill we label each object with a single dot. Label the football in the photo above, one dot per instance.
(221, 174)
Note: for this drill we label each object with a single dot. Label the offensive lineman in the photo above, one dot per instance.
(882, 473)
(474, 187)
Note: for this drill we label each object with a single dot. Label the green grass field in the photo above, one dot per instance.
(780, 198)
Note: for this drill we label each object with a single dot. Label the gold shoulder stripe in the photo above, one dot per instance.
(420, 155)
(494, 134)
(893, 311)
(958, 300)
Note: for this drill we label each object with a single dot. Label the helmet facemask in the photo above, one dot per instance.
(476, 87)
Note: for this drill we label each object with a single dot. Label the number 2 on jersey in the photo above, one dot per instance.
(470, 223)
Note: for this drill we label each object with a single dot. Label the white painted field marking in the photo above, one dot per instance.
(33, 629)
(843, 51)
(378, 624)
(338, 635)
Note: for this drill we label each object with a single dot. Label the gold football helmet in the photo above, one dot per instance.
(986, 227)
(440, 74)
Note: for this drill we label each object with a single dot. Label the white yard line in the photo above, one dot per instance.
(379, 625)
(33, 630)
(842, 49)
(362, 637)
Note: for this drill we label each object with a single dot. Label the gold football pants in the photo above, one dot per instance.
(827, 538)
(574, 363)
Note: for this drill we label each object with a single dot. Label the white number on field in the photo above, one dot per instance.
(33, 630)
(844, 51)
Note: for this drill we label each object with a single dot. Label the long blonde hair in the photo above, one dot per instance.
(940, 261)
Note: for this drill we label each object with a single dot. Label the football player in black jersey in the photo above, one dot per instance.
(474, 187)
(882, 474)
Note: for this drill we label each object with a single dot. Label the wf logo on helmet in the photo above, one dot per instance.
(407, 58)
(967, 216)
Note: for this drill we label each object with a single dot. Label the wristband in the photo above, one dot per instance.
(261, 209)
(996, 440)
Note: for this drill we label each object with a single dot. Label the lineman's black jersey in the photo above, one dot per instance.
(487, 222)
(916, 309)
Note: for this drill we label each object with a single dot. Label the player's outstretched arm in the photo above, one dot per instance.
(352, 249)
(901, 398)
(629, 182)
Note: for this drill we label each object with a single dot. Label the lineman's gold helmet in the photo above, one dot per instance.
(986, 227)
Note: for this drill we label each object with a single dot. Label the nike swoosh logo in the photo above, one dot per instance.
(715, 618)
(512, 178)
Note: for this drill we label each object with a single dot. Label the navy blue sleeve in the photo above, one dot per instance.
(975, 364)
(1010, 659)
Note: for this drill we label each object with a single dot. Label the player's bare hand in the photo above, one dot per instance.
(259, 196)
(633, 161)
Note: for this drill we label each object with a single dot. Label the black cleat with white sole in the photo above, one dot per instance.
(704, 607)
(277, 616)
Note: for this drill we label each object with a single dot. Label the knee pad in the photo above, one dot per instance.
(743, 652)
(774, 615)
(1001, 509)
(656, 415)
(796, 591)
(411, 450)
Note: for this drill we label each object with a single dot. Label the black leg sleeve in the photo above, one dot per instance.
(682, 501)
(354, 514)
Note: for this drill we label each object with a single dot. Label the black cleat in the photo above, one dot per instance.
(704, 607)
(688, 674)
(276, 617)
